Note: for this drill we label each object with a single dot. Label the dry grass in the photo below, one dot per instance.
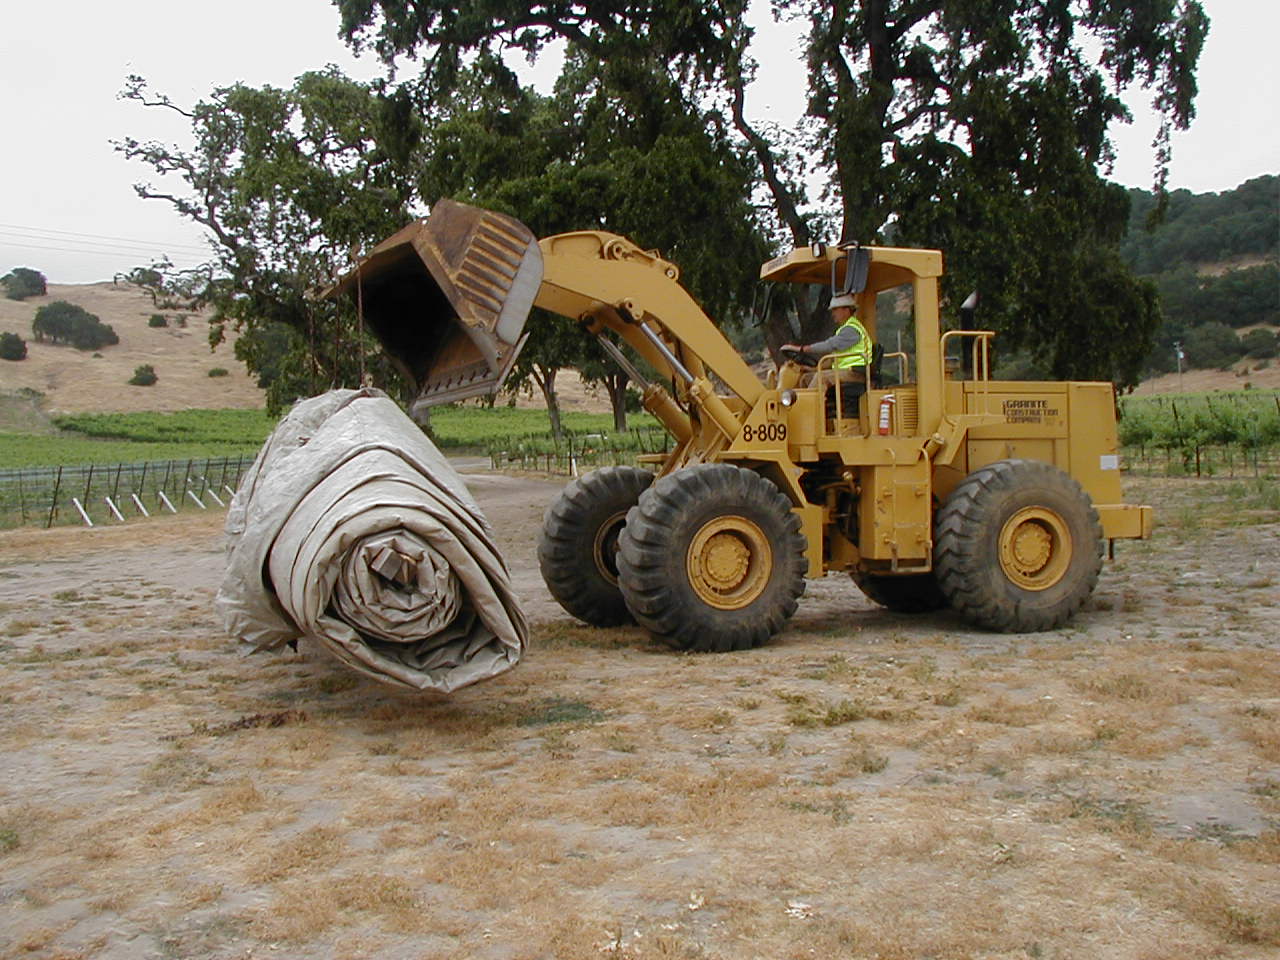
(852, 790)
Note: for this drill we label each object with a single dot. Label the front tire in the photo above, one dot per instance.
(1018, 546)
(578, 550)
(712, 559)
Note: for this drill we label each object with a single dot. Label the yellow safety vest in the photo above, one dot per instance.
(859, 355)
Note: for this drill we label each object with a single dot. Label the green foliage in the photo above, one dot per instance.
(1248, 420)
(158, 320)
(143, 376)
(22, 282)
(1239, 298)
(63, 322)
(1261, 343)
(617, 147)
(32, 450)
(288, 183)
(135, 437)
(1212, 346)
(975, 128)
(235, 427)
(278, 355)
(12, 347)
(1203, 228)
(475, 426)
(218, 372)
(463, 425)
(1183, 256)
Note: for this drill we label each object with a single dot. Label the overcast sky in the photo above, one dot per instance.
(69, 210)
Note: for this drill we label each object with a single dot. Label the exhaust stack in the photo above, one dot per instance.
(448, 298)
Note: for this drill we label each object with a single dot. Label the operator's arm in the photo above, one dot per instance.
(844, 339)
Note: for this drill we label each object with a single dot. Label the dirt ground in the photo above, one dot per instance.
(869, 785)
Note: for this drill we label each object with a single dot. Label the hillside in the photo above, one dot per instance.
(1215, 260)
(74, 381)
(78, 380)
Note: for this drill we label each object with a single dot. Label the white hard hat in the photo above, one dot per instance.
(843, 300)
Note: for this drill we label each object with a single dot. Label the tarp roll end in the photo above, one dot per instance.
(352, 530)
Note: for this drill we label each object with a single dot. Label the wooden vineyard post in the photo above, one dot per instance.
(53, 505)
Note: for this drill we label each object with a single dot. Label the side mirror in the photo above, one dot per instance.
(856, 264)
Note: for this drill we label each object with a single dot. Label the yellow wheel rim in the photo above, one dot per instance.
(604, 549)
(1035, 548)
(729, 562)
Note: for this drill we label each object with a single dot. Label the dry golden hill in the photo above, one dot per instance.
(76, 380)
(1242, 372)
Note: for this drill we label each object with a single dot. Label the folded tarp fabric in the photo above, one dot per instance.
(352, 530)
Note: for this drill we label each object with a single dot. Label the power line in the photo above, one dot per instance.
(118, 252)
(94, 237)
(71, 246)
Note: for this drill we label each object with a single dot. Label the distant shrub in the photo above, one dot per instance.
(1212, 346)
(158, 320)
(218, 372)
(12, 347)
(1260, 343)
(22, 282)
(63, 322)
(144, 376)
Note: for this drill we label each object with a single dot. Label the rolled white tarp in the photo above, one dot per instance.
(352, 530)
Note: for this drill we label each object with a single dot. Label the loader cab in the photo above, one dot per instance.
(896, 291)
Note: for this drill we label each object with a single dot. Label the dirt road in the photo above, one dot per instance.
(869, 785)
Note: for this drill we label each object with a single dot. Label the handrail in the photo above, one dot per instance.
(829, 360)
(902, 364)
(980, 360)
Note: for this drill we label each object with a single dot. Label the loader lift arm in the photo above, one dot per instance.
(472, 275)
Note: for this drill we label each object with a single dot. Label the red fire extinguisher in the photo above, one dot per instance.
(886, 413)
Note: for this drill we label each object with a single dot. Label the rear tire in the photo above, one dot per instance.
(578, 550)
(907, 593)
(712, 559)
(1018, 546)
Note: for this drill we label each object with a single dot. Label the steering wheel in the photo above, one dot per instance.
(800, 357)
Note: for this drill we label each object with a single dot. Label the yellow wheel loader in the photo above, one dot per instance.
(943, 487)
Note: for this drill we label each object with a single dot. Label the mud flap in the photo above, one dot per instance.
(448, 298)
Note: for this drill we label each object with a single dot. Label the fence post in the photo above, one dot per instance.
(22, 500)
(83, 515)
(87, 484)
(53, 506)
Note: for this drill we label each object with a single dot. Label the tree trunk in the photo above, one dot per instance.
(616, 384)
(546, 379)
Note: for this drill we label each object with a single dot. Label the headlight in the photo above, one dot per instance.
(788, 397)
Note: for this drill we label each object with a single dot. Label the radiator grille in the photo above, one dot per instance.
(908, 411)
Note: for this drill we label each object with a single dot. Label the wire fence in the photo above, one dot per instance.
(98, 493)
(574, 453)
(95, 494)
(1202, 460)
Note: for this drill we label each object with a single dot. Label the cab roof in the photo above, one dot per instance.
(889, 267)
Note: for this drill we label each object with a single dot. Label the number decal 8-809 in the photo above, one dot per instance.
(765, 433)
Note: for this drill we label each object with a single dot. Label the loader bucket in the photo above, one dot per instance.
(448, 297)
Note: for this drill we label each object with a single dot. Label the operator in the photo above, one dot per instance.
(849, 347)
